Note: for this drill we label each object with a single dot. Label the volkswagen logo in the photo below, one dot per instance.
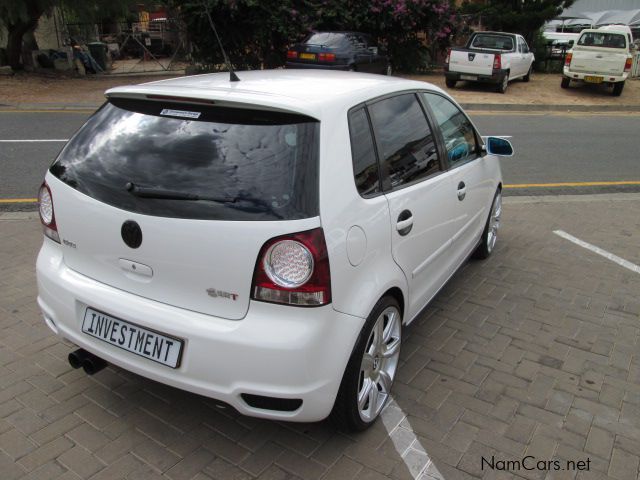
(472, 56)
(131, 234)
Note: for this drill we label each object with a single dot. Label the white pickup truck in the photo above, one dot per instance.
(600, 55)
(490, 57)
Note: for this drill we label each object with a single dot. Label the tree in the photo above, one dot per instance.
(256, 33)
(525, 17)
(20, 18)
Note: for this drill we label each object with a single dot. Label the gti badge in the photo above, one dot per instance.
(220, 294)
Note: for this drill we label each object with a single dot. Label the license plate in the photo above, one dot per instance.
(308, 56)
(133, 338)
(468, 77)
(592, 79)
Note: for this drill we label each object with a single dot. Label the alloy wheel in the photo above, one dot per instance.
(379, 364)
(494, 222)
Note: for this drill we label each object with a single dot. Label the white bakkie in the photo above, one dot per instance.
(262, 242)
(600, 56)
(490, 57)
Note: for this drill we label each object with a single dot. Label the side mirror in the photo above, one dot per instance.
(570, 43)
(374, 50)
(498, 146)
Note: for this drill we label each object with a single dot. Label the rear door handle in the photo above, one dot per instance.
(405, 222)
(462, 191)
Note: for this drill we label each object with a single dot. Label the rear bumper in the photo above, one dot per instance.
(275, 351)
(318, 66)
(496, 76)
(606, 78)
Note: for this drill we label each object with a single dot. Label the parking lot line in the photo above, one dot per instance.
(571, 184)
(414, 455)
(608, 255)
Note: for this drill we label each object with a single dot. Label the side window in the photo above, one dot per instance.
(406, 143)
(525, 47)
(459, 135)
(363, 155)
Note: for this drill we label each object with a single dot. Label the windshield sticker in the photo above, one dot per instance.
(180, 113)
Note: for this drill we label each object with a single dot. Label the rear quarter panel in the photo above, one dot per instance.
(355, 288)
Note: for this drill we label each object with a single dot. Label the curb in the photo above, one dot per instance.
(50, 106)
(514, 107)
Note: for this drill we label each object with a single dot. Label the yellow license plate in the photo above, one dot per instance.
(308, 56)
(592, 79)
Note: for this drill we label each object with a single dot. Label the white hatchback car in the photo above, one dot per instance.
(262, 242)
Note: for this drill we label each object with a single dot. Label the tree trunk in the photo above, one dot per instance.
(14, 46)
(15, 32)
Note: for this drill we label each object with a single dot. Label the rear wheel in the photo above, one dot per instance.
(527, 77)
(366, 384)
(565, 82)
(617, 88)
(490, 233)
(504, 83)
(450, 83)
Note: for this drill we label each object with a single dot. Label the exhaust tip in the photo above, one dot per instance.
(88, 361)
(77, 357)
(93, 364)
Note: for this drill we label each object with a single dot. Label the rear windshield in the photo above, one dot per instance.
(495, 42)
(214, 162)
(326, 39)
(600, 39)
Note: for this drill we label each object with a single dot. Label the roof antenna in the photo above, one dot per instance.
(232, 75)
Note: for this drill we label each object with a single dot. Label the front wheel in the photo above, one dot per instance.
(527, 77)
(504, 83)
(366, 384)
(490, 233)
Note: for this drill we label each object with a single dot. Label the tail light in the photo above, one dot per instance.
(446, 59)
(47, 215)
(327, 57)
(497, 62)
(567, 59)
(292, 54)
(294, 270)
(627, 64)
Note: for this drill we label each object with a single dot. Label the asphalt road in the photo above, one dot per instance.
(550, 148)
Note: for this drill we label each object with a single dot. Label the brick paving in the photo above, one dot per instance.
(535, 351)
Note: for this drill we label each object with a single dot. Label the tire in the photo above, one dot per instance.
(367, 380)
(352, 68)
(617, 88)
(450, 83)
(527, 77)
(490, 233)
(504, 83)
(565, 82)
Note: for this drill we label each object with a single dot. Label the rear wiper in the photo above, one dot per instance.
(147, 192)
